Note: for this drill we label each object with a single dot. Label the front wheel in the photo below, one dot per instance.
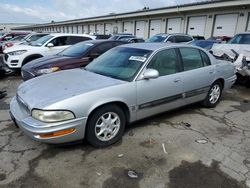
(213, 96)
(105, 126)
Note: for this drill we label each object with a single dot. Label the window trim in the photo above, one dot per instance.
(204, 64)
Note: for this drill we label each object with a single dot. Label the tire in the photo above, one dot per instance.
(101, 132)
(214, 95)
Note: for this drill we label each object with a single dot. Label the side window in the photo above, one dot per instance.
(191, 58)
(75, 39)
(165, 62)
(183, 39)
(171, 39)
(100, 49)
(59, 41)
(205, 58)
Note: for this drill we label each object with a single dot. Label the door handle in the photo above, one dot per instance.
(211, 72)
(177, 80)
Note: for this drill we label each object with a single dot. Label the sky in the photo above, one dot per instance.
(44, 11)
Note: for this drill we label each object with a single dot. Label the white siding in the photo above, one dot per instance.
(174, 25)
(140, 29)
(108, 29)
(155, 27)
(100, 28)
(225, 25)
(128, 27)
(196, 25)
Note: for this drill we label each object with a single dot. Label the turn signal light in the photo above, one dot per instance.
(57, 133)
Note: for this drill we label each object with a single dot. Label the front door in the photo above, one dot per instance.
(163, 93)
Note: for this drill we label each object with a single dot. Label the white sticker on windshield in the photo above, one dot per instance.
(138, 58)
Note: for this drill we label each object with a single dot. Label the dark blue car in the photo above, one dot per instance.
(206, 44)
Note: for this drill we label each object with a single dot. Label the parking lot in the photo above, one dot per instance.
(190, 147)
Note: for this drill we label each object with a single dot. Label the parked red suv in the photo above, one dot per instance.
(76, 56)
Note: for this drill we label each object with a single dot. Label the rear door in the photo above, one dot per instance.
(163, 93)
(198, 74)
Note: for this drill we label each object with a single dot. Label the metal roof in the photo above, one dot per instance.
(140, 12)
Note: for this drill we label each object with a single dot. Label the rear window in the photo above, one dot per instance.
(157, 38)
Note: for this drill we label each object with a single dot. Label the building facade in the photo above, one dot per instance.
(212, 18)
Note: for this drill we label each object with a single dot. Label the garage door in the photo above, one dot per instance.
(225, 25)
(155, 27)
(70, 29)
(108, 29)
(128, 27)
(85, 29)
(174, 25)
(100, 29)
(196, 25)
(140, 29)
(91, 28)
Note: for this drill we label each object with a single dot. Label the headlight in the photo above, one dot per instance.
(19, 52)
(52, 116)
(48, 70)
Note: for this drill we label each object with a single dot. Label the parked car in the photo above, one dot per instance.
(171, 38)
(28, 39)
(206, 44)
(121, 36)
(17, 56)
(8, 42)
(237, 51)
(223, 39)
(133, 40)
(12, 34)
(76, 56)
(125, 84)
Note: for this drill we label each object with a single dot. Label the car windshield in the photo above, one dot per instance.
(120, 63)
(76, 50)
(41, 41)
(240, 39)
(20, 37)
(157, 38)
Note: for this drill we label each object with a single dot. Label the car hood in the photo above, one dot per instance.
(219, 49)
(46, 61)
(18, 47)
(46, 90)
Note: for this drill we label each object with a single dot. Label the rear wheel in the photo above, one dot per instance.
(214, 95)
(105, 126)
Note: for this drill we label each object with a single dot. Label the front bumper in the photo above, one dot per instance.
(33, 128)
(12, 61)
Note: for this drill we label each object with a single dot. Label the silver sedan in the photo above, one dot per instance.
(126, 84)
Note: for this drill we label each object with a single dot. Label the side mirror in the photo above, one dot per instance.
(151, 74)
(169, 42)
(50, 45)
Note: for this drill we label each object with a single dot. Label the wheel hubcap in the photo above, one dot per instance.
(107, 126)
(214, 94)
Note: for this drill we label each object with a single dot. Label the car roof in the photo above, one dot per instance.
(153, 46)
(71, 34)
(103, 41)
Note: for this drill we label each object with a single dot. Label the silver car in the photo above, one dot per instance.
(126, 84)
